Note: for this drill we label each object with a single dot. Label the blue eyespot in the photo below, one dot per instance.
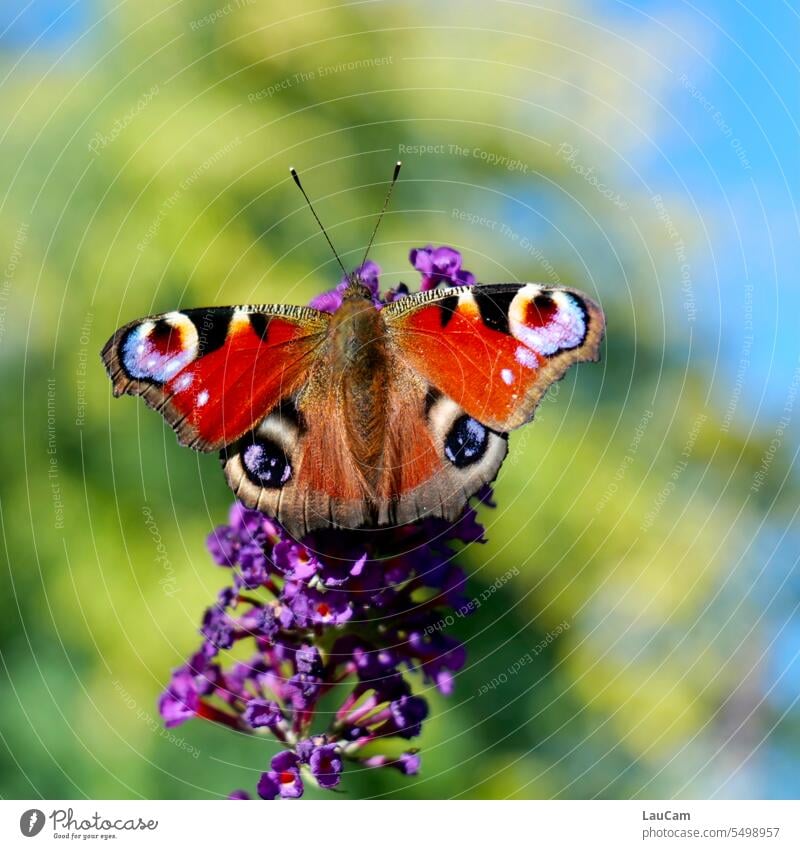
(266, 464)
(466, 442)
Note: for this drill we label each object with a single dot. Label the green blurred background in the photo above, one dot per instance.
(639, 152)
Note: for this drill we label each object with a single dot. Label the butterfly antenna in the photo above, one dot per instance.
(296, 178)
(397, 167)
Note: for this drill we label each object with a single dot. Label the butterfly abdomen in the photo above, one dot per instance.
(359, 367)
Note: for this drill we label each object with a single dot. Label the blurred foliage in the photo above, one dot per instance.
(190, 204)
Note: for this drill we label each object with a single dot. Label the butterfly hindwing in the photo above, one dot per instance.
(298, 465)
(439, 459)
(495, 349)
(213, 373)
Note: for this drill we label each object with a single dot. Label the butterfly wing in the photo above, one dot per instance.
(214, 373)
(299, 465)
(473, 363)
(495, 349)
(438, 456)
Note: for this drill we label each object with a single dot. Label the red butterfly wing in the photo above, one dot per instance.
(495, 349)
(213, 373)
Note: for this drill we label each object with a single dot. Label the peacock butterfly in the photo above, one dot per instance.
(373, 414)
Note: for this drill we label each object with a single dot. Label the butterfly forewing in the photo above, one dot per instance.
(214, 373)
(495, 349)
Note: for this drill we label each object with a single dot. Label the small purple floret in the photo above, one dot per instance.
(262, 713)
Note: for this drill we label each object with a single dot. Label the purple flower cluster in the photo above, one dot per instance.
(440, 266)
(351, 617)
(437, 266)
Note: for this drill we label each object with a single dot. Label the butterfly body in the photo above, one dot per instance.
(357, 365)
(369, 415)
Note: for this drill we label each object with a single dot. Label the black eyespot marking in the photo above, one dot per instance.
(162, 332)
(447, 309)
(431, 397)
(212, 328)
(266, 463)
(494, 307)
(466, 442)
(584, 313)
(260, 324)
(543, 301)
(288, 414)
